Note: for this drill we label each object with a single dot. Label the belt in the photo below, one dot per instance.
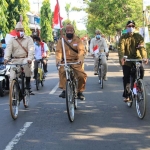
(19, 57)
(72, 59)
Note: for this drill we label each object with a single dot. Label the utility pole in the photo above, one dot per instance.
(38, 2)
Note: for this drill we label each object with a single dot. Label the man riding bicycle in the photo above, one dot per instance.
(131, 44)
(21, 48)
(101, 45)
(74, 52)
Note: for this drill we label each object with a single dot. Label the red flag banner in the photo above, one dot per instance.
(95, 49)
(57, 20)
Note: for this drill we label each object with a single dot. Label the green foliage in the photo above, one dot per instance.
(3, 22)
(111, 15)
(14, 10)
(46, 21)
(67, 8)
(148, 49)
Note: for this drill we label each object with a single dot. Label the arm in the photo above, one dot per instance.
(105, 46)
(58, 52)
(8, 50)
(142, 50)
(121, 49)
(80, 51)
(91, 46)
(46, 49)
(31, 49)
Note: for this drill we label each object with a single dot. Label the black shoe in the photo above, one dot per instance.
(81, 96)
(63, 94)
(95, 73)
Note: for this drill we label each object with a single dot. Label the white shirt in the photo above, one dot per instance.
(38, 51)
(101, 43)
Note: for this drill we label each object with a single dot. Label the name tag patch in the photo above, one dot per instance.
(75, 44)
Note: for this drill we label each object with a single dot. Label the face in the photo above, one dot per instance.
(69, 32)
(130, 28)
(98, 35)
(20, 32)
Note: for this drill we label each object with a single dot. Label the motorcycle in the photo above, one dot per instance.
(4, 78)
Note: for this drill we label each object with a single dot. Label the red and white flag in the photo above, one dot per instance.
(95, 49)
(57, 20)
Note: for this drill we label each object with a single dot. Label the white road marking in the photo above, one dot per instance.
(16, 139)
(54, 89)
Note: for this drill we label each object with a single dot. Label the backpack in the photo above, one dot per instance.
(1, 52)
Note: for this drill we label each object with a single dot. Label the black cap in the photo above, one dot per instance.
(130, 21)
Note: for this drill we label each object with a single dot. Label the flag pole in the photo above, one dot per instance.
(62, 39)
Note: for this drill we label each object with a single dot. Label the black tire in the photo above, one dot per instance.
(14, 99)
(2, 90)
(141, 99)
(26, 98)
(37, 81)
(100, 77)
(70, 101)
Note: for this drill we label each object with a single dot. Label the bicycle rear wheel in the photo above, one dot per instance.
(70, 101)
(141, 99)
(26, 98)
(100, 76)
(14, 99)
(37, 81)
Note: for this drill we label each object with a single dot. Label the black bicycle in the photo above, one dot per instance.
(40, 77)
(71, 90)
(100, 70)
(18, 91)
(136, 90)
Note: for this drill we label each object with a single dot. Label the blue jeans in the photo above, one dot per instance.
(1, 59)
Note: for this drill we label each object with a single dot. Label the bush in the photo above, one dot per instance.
(148, 49)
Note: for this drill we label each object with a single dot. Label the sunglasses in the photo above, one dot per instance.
(131, 26)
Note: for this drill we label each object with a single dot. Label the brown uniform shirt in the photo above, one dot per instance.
(16, 50)
(77, 44)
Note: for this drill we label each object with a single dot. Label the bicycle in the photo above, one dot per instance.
(100, 70)
(71, 90)
(40, 75)
(18, 91)
(137, 91)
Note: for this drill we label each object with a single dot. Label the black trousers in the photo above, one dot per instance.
(127, 73)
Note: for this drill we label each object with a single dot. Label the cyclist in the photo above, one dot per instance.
(101, 45)
(74, 52)
(21, 48)
(41, 53)
(131, 44)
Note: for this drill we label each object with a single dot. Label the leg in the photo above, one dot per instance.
(35, 68)
(141, 72)
(44, 62)
(126, 78)
(96, 65)
(104, 67)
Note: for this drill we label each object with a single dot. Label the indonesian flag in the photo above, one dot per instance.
(10, 35)
(95, 49)
(57, 20)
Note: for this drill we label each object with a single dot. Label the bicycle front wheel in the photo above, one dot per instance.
(26, 98)
(37, 81)
(14, 99)
(100, 76)
(70, 101)
(141, 99)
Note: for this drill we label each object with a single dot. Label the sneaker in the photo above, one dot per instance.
(63, 94)
(81, 96)
(127, 100)
(95, 73)
(105, 78)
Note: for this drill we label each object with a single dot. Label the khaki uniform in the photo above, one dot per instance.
(72, 56)
(13, 48)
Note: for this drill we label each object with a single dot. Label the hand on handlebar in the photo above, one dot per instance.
(145, 61)
(29, 61)
(5, 61)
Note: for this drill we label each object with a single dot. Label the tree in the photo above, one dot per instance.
(3, 22)
(67, 8)
(14, 10)
(46, 21)
(110, 16)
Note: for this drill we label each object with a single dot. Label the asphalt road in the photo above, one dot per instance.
(102, 122)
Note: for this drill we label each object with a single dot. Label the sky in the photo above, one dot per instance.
(77, 16)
